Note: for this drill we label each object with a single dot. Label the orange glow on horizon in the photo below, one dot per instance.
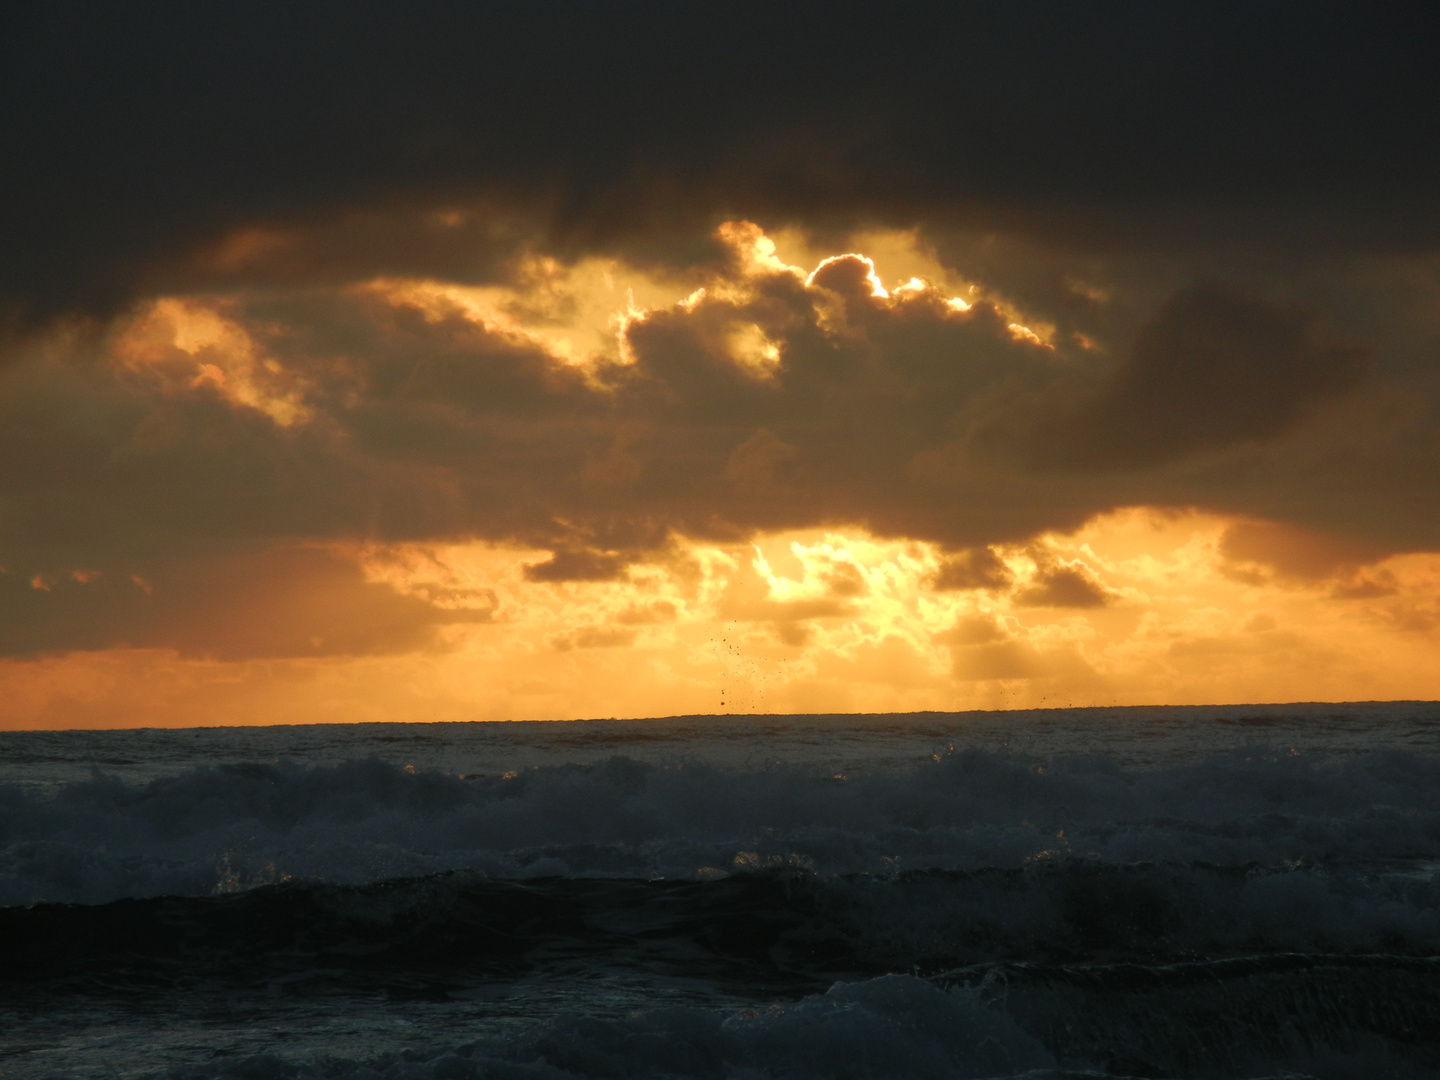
(1137, 607)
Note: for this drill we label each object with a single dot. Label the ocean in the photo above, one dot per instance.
(1216, 892)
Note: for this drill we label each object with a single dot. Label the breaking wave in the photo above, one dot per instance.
(231, 827)
(1256, 913)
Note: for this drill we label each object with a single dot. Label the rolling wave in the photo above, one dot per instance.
(983, 914)
(232, 827)
(756, 933)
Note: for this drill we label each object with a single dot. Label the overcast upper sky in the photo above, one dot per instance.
(459, 360)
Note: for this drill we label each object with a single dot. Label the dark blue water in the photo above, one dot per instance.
(1226, 892)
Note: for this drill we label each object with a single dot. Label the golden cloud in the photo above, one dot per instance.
(835, 456)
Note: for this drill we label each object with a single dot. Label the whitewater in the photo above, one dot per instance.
(1218, 892)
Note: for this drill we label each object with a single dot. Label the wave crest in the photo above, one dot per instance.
(230, 827)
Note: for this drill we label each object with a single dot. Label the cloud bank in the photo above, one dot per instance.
(140, 144)
(250, 436)
(291, 297)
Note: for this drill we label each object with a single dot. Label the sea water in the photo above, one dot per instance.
(1152, 892)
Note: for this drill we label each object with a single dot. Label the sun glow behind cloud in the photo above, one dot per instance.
(577, 314)
(183, 344)
(1143, 605)
(1137, 607)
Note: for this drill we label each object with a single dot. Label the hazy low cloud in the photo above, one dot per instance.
(1252, 548)
(277, 602)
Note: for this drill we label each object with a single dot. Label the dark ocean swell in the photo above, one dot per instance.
(232, 827)
(769, 931)
(1142, 970)
(1260, 913)
(1287, 1017)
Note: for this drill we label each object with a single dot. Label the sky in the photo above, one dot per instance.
(445, 361)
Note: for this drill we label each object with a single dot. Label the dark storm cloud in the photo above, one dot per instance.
(854, 423)
(136, 139)
(1085, 164)
(1213, 367)
(146, 504)
(398, 422)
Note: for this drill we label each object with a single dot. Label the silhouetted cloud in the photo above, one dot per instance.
(142, 148)
(1212, 368)
(770, 398)
(1253, 547)
(569, 564)
(974, 568)
(279, 283)
(1063, 587)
